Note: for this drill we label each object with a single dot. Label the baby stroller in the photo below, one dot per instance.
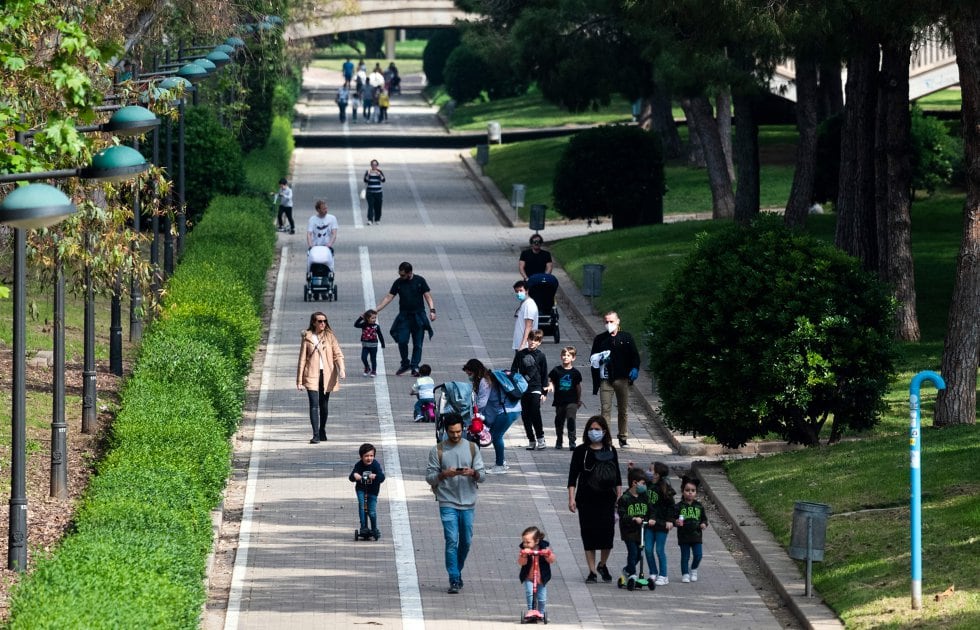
(319, 277)
(452, 398)
(542, 288)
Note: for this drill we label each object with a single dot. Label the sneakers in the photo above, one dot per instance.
(402, 370)
(367, 372)
(541, 445)
(558, 445)
(604, 572)
(571, 445)
(591, 579)
(415, 373)
(686, 578)
(374, 374)
(622, 442)
(631, 583)
(661, 580)
(497, 470)
(376, 534)
(454, 588)
(694, 575)
(419, 419)
(370, 222)
(531, 445)
(314, 440)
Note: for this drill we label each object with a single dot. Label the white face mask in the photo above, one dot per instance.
(612, 327)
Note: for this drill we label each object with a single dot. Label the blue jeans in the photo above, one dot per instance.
(529, 595)
(372, 509)
(369, 357)
(654, 540)
(498, 427)
(632, 557)
(686, 550)
(417, 336)
(457, 527)
(419, 403)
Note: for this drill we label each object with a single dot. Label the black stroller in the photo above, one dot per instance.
(320, 280)
(542, 288)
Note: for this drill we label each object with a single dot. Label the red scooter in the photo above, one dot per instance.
(534, 615)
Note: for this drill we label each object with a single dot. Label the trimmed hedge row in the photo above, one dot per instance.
(137, 555)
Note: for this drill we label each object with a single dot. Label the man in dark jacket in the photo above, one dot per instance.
(615, 364)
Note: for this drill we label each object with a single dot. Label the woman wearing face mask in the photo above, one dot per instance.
(615, 364)
(593, 488)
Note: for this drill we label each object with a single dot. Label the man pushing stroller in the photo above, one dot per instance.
(321, 231)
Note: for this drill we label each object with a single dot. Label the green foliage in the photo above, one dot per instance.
(465, 74)
(613, 171)
(765, 330)
(143, 531)
(214, 163)
(935, 155)
(436, 52)
(264, 167)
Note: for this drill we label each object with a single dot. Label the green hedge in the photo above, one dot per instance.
(264, 167)
(137, 555)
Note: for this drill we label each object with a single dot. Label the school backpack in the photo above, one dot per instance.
(514, 385)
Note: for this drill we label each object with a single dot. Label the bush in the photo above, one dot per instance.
(264, 167)
(613, 171)
(214, 163)
(935, 155)
(436, 52)
(465, 74)
(764, 330)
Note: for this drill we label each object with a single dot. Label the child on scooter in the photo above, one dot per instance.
(535, 547)
(634, 511)
(367, 476)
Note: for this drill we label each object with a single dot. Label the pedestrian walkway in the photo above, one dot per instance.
(298, 565)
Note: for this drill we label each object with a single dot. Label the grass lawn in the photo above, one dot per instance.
(949, 99)
(530, 111)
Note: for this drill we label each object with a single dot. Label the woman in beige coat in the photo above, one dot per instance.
(321, 366)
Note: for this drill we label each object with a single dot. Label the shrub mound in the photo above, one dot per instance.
(137, 556)
(765, 330)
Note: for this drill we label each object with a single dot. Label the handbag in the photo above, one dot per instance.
(602, 475)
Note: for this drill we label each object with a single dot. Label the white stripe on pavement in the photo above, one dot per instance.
(401, 530)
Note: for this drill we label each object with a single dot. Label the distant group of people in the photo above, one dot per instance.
(371, 92)
(644, 504)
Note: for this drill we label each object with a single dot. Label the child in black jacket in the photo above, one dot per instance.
(691, 522)
(367, 476)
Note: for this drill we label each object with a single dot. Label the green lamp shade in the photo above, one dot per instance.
(35, 206)
(115, 164)
(237, 42)
(225, 48)
(206, 63)
(131, 120)
(218, 58)
(192, 72)
(173, 83)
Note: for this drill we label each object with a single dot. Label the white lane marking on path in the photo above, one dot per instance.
(401, 530)
(478, 347)
(255, 458)
(355, 195)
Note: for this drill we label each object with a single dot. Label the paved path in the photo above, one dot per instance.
(298, 565)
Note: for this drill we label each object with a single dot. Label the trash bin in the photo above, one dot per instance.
(536, 219)
(817, 514)
(482, 154)
(592, 279)
(493, 132)
(517, 196)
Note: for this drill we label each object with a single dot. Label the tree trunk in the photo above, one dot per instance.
(957, 404)
(723, 114)
(805, 173)
(657, 114)
(893, 177)
(831, 98)
(695, 152)
(856, 229)
(747, 157)
(698, 112)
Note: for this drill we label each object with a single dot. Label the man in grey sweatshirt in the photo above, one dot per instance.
(454, 471)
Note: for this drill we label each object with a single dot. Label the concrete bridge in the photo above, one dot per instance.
(933, 68)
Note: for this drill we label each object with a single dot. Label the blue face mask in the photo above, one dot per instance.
(641, 488)
(519, 296)
(596, 435)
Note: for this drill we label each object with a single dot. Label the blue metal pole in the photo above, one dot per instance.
(915, 451)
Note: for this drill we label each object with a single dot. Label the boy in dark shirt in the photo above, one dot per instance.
(367, 477)
(634, 511)
(566, 383)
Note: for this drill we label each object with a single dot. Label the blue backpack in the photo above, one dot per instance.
(514, 385)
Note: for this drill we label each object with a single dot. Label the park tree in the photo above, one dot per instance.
(767, 330)
(957, 404)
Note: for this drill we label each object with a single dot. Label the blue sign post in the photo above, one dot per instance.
(915, 450)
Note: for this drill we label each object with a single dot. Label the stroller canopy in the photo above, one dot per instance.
(542, 288)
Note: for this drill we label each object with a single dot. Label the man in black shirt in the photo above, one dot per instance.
(534, 260)
(413, 295)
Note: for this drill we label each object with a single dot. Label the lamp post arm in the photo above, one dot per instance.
(65, 173)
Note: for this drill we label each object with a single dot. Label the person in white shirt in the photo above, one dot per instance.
(285, 200)
(321, 230)
(525, 317)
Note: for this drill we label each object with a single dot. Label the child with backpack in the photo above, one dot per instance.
(370, 338)
(367, 476)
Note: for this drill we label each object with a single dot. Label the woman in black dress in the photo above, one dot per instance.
(594, 486)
